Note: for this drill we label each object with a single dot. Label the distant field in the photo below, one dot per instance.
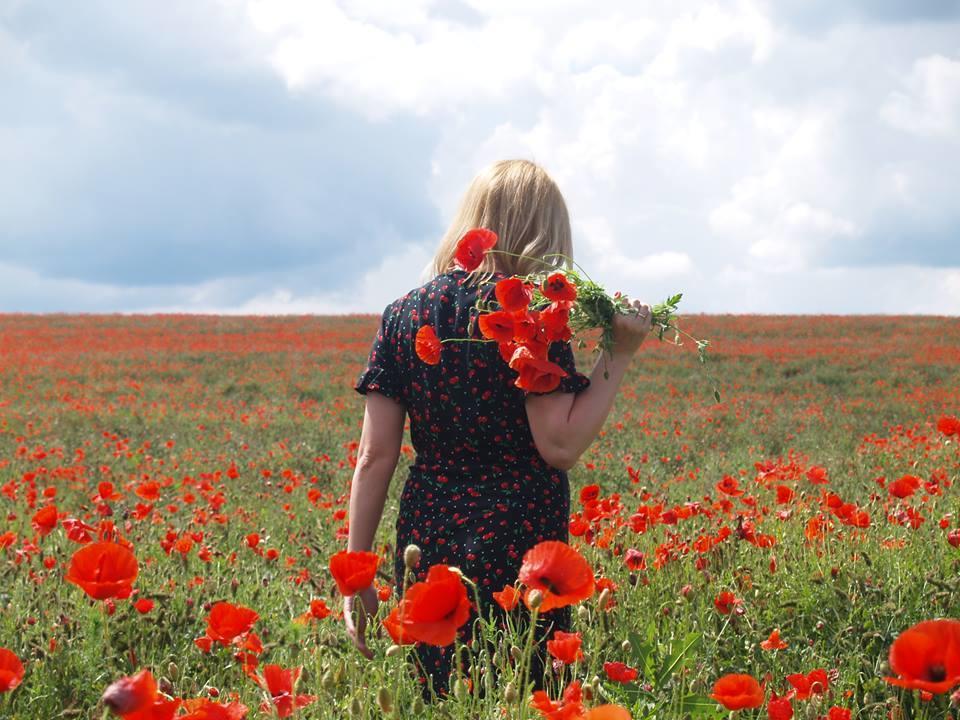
(213, 428)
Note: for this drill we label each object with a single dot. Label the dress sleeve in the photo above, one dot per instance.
(561, 353)
(382, 371)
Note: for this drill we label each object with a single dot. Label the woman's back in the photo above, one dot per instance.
(466, 415)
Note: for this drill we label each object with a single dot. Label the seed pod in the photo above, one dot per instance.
(385, 699)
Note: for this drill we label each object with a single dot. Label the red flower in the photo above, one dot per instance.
(203, 709)
(11, 670)
(729, 486)
(725, 602)
(473, 246)
(104, 570)
(281, 684)
(143, 605)
(431, 611)
(774, 642)
(535, 374)
(557, 287)
(779, 708)
(427, 345)
(619, 672)
(814, 683)
(566, 647)
(507, 598)
(559, 572)
(497, 326)
(927, 656)
(130, 695)
(569, 707)
(513, 294)
(949, 425)
(838, 713)
(45, 520)
(226, 622)
(904, 487)
(553, 323)
(353, 571)
(736, 692)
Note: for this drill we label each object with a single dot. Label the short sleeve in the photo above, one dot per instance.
(382, 372)
(561, 353)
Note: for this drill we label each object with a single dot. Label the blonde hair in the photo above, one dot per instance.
(520, 202)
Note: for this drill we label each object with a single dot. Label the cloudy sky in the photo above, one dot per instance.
(305, 156)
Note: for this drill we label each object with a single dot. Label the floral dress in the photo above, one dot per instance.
(478, 493)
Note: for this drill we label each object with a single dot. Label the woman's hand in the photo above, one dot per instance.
(356, 628)
(630, 330)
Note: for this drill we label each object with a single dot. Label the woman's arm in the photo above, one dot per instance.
(377, 458)
(564, 425)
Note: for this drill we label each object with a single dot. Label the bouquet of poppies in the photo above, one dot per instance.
(532, 311)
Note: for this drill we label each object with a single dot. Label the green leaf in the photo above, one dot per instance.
(700, 706)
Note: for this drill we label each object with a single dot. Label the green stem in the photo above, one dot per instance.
(525, 666)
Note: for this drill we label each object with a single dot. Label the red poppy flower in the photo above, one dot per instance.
(729, 486)
(553, 324)
(569, 707)
(559, 572)
(535, 374)
(619, 672)
(507, 349)
(45, 520)
(566, 647)
(507, 598)
(608, 712)
(103, 570)
(513, 294)
(737, 692)
(815, 682)
(557, 287)
(904, 487)
(228, 622)
(497, 326)
(838, 713)
(817, 475)
(427, 345)
(635, 560)
(143, 605)
(11, 670)
(949, 425)
(927, 656)
(203, 709)
(779, 708)
(281, 684)
(725, 602)
(431, 611)
(353, 571)
(129, 695)
(774, 642)
(473, 246)
(526, 325)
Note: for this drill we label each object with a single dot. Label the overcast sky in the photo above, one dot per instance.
(305, 156)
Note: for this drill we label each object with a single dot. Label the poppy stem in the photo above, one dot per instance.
(525, 666)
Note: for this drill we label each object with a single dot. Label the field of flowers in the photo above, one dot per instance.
(174, 487)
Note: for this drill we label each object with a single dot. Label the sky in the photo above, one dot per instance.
(306, 156)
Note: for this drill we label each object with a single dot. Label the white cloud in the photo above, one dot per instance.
(930, 104)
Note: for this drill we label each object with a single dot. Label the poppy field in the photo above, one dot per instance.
(175, 491)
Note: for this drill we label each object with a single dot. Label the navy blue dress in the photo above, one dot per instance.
(478, 493)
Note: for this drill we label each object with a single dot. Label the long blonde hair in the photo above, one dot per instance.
(522, 204)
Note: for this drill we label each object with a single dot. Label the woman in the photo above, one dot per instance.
(489, 480)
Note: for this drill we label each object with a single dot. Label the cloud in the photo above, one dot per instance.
(251, 154)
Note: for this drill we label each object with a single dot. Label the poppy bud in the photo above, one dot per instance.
(327, 681)
(355, 707)
(418, 706)
(411, 556)
(587, 690)
(173, 671)
(686, 591)
(626, 646)
(393, 650)
(604, 597)
(385, 699)
(583, 613)
(510, 693)
(460, 689)
(535, 599)
(516, 653)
